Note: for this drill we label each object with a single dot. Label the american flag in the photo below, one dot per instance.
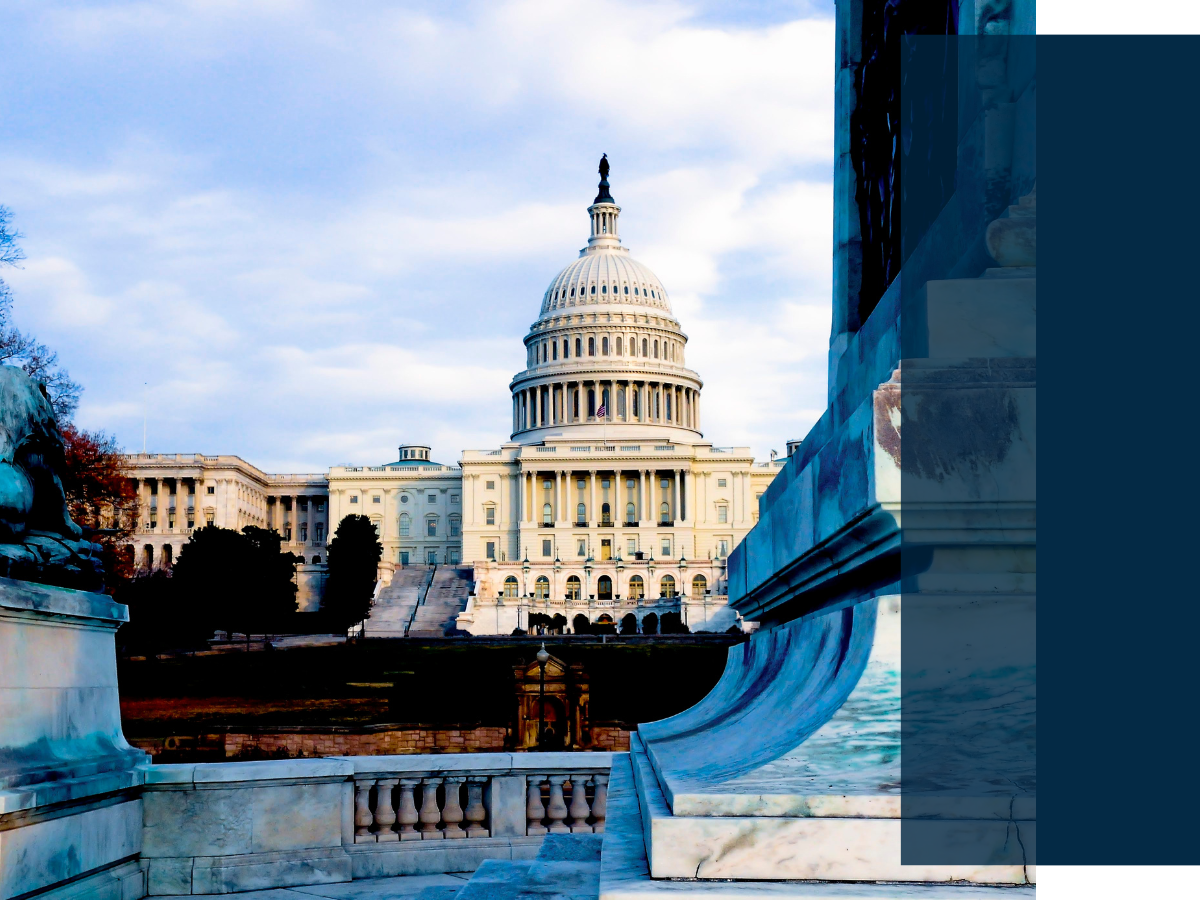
(602, 411)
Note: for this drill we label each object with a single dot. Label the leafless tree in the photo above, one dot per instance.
(20, 349)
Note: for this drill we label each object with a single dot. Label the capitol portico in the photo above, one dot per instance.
(606, 502)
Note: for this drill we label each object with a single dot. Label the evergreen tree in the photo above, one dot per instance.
(353, 561)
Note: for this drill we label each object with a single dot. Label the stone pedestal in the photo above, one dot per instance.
(70, 809)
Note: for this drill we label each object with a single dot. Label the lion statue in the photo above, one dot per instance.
(38, 540)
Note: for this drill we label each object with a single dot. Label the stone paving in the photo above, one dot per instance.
(404, 887)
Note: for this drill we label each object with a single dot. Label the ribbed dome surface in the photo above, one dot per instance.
(604, 276)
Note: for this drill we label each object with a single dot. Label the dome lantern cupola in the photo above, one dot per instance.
(604, 212)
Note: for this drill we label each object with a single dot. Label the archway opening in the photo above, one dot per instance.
(629, 624)
(604, 591)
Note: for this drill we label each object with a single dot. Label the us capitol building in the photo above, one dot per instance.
(606, 502)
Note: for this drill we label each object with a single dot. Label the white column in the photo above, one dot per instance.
(559, 505)
(593, 516)
(675, 517)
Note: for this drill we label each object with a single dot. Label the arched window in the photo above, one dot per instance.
(637, 588)
(604, 288)
(554, 350)
(668, 406)
(575, 401)
(591, 402)
(699, 586)
(664, 513)
(581, 514)
(626, 289)
(591, 346)
(578, 347)
(547, 514)
(593, 289)
(620, 396)
(635, 290)
(656, 349)
(316, 561)
(510, 586)
(605, 514)
(573, 587)
(630, 514)
(636, 393)
(604, 346)
(604, 588)
(644, 353)
(405, 525)
(572, 292)
(618, 346)
(566, 348)
(167, 550)
(667, 586)
(541, 588)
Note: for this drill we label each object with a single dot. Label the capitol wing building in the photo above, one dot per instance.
(606, 504)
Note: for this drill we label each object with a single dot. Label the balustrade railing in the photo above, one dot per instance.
(479, 796)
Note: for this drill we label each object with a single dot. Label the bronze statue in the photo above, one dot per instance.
(38, 540)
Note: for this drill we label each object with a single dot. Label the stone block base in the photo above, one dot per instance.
(171, 876)
(435, 857)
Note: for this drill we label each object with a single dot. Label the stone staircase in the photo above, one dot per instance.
(394, 607)
(566, 867)
(441, 604)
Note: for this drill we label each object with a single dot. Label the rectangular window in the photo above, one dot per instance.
(208, 518)
(211, 489)
(433, 498)
(319, 532)
(491, 485)
(454, 498)
(318, 505)
(373, 500)
(582, 548)
(303, 532)
(404, 557)
(604, 483)
(491, 550)
(547, 485)
(722, 514)
(431, 558)
(454, 528)
(452, 557)
(431, 528)
(287, 533)
(304, 504)
(632, 546)
(547, 547)
(666, 548)
(490, 515)
(721, 482)
(353, 499)
(665, 484)
(191, 523)
(581, 484)
(171, 519)
(722, 549)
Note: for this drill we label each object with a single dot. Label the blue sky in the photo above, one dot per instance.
(305, 232)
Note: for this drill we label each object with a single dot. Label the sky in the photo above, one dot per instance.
(306, 232)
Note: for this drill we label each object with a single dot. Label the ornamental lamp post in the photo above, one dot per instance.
(542, 658)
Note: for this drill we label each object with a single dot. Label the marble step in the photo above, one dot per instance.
(625, 871)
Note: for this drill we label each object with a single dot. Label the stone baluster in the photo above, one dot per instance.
(363, 818)
(406, 814)
(475, 812)
(452, 811)
(579, 805)
(535, 812)
(385, 816)
(600, 803)
(430, 815)
(556, 809)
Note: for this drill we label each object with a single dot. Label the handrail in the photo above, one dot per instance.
(426, 583)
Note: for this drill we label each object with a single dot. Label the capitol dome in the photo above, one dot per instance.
(606, 353)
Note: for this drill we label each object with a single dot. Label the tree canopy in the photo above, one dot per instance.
(239, 581)
(100, 497)
(353, 567)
